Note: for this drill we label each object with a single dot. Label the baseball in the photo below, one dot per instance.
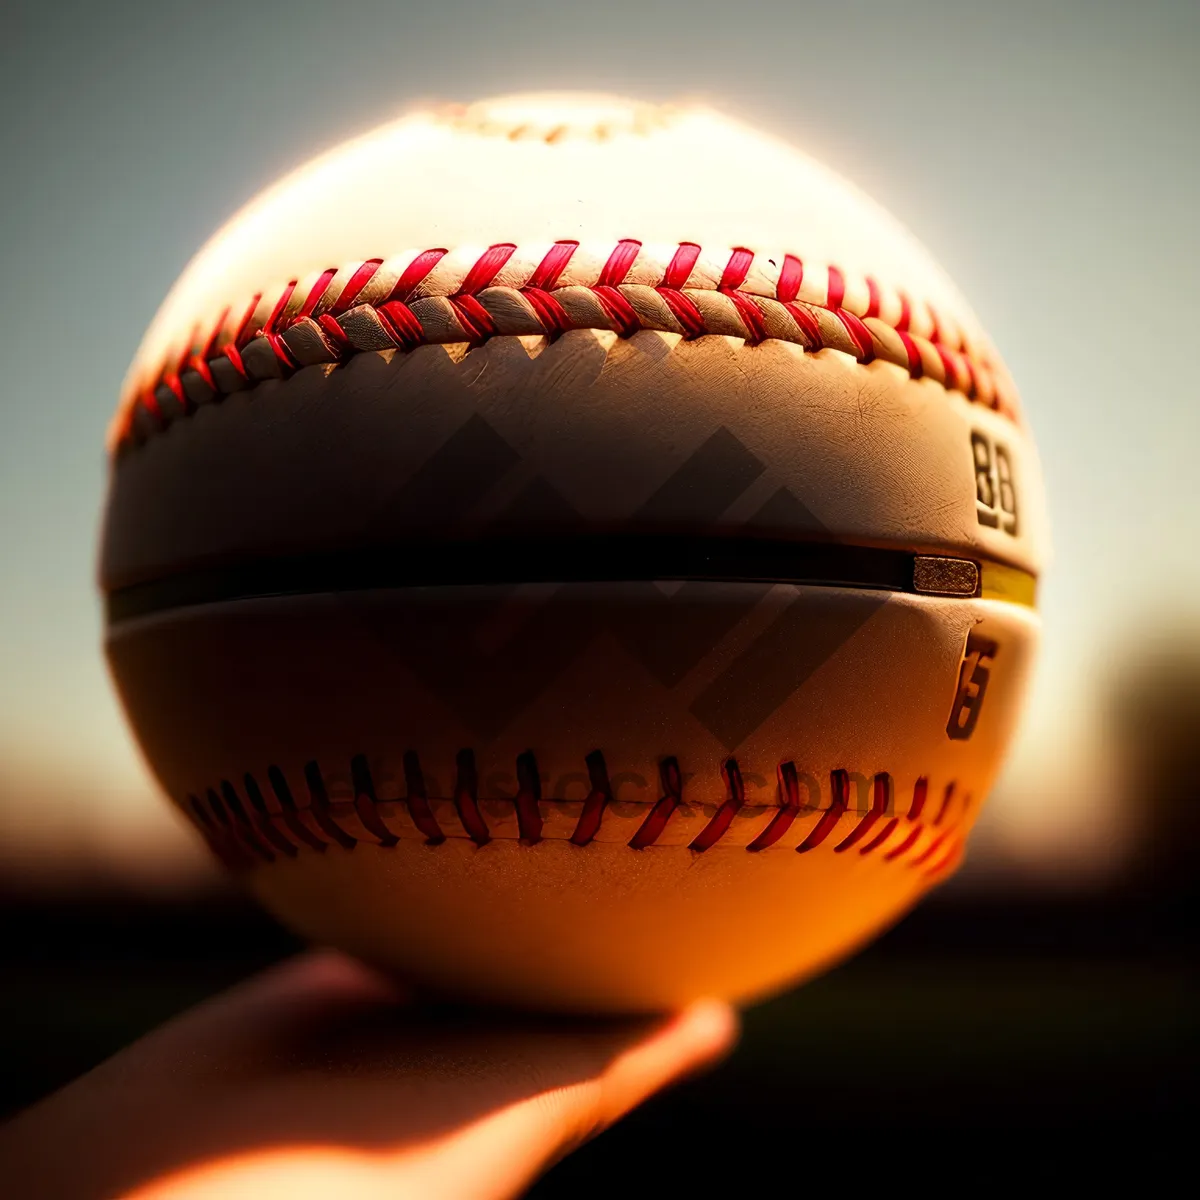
(573, 553)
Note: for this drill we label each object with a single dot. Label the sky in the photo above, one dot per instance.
(1046, 152)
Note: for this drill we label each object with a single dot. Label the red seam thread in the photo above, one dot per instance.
(839, 783)
(466, 793)
(269, 325)
(686, 312)
(809, 325)
(554, 263)
(597, 800)
(947, 796)
(660, 814)
(881, 837)
(528, 798)
(781, 822)
(399, 321)
(240, 833)
(791, 276)
(622, 314)
(874, 301)
(355, 284)
(723, 817)
(405, 329)
(680, 267)
(920, 793)
(836, 291)
(317, 290)
(263, 817)
(618, 263)
(245, 330)
(417, 802)
(486, 267)
(549, 312)
(473, 317)
(415, 273)
(366, 802)
(736, 269)
(860, 335)
(904, 846)
(290, 813)
(319, 807)
(930, 850)
(880, 802)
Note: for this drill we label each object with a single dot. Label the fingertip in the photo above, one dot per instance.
(709, 1030)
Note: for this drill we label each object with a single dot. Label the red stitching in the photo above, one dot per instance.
(920, 792)
(415, 274)
(837, 288)
(945, 808)
(808, 323)
(860, 335)
(660, 814)
(418, 804)
(528, 798)
(930, 850)
(319, 807)
(317, 290)
(291, 814)
(549, 311)
(553, 264)
(262, 817)
(486, 267)
(881, 801)
(916, 367)
(245, 330)
(791, 276)
(473, 317)
(789, 808)
(618, 264)
(355, 284)
(366, 802)
(904, 846)
(270, 323)
(873, 298)
(404, 327)
(680, 266)
(399, 321)
(242, 833)
(466, 793)
(597, 801)
(723, 817)
(686, 312)
(622, 314)
(840, 784)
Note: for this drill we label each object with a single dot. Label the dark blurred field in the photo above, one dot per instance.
(989, 1016)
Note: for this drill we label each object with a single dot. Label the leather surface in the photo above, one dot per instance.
(823, 678)
(590, 432)
(534, 170)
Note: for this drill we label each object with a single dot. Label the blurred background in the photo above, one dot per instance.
(1045, 151)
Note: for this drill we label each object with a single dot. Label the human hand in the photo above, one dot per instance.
(321, 1078)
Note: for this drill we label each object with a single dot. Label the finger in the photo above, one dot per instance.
(502, 1154)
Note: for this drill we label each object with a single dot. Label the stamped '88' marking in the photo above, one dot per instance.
(995, 490)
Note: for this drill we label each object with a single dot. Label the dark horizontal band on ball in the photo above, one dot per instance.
(578, 558)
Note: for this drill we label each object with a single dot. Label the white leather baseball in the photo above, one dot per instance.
(574, 553)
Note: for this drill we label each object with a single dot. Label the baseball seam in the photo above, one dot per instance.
(242, 834)
(440, 297)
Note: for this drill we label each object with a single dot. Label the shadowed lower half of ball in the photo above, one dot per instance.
(589, 796)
